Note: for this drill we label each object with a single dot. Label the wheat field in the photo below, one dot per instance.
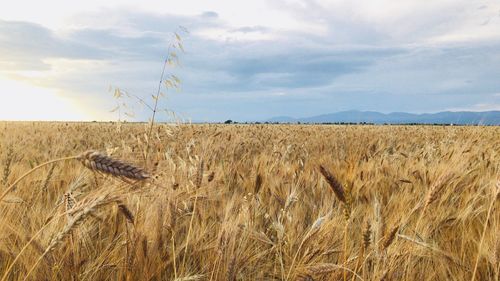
(249, 202)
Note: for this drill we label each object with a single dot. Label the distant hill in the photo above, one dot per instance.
(353, 116)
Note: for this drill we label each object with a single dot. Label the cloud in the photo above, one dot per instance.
(249, 66)
(296, 67)
(24, 46)
(478, 107)
(249, 29)
(405, 57)
(400, 22)
(210, 14)
(124, 35)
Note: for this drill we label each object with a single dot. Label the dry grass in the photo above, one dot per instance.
(255, 202)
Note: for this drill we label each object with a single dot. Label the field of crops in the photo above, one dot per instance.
(249, 202)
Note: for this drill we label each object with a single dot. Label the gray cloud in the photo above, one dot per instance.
(248, 29)
(24, 46)
(356, 65)
(210, 14)
(293, 68)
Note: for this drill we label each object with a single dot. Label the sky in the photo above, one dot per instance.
(247, 60)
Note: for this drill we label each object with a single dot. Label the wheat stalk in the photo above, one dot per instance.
(339, 191)
(69, 203)
(94, 161)
(334, 184)
(7, 165)
(312, 231)
(199, 174)
(436, 189)
(198, 185)
(390, 237)
(126, 212)
(496, 193)
(258, 184)
(47, 179)
(77, 215)
(367, 234)
(366, 243)
(325, 268)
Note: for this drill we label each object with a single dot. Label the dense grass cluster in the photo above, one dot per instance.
(256, 202)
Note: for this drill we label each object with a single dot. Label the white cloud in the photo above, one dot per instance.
(224, 35)
(252, 58)
(279, 94)
(478, 107)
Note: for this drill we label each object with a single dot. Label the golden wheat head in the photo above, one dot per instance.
(97, 161)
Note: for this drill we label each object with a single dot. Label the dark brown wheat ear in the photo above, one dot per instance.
(97, 161)
(334, 184)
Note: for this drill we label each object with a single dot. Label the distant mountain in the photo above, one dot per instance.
(353, 116)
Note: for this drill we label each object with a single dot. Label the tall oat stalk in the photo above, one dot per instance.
(171, 82)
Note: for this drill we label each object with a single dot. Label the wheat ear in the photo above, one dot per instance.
(97, 161)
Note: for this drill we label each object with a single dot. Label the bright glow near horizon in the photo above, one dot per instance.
(23, 102)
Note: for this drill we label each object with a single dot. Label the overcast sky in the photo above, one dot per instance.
(249, 60)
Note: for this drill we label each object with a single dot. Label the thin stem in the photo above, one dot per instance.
(142, 101)
(173, 251)
(417, 225)
(35, 265)
(345, 249)
(189, 234)
(295, 256)
(156, 98)
(482, 237)
(358, 262)
(155, 107)
(214, 267)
